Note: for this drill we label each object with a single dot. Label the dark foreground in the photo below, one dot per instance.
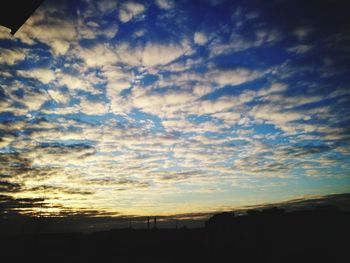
(320, 235)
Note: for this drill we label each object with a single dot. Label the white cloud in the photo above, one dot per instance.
(160, 104)
(201, 90)
(200, 38)
(211, 106)
(274, 88)
(238, 42)
(130, 10)
(165, 4)
(42, 74)
(229, 118)
(119, 104)
(117, 80)
(93, 30)
(72, 82)
(232, 77)
(156, 54)
(58, 36)
(302, 32)
(59, 96)
(11, 57)
(300, 49)
(93, 107)
(49, 26)
(5, 33)
(6, 140)
(107, 6)
(98, 56)
(273, 114)
(150, 55)
(34, 100)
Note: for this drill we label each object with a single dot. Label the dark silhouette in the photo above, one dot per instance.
(267, 235)
(14, 13)
(155, 223)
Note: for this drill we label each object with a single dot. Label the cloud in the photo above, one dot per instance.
(6, 140)
(93, 107)
(228, 117)
(10, 204)
(275, 115)
(148, 55)
(58, 96)
(239, 42)
(50, 26)
(8, 187)
(71, 81)
(54, 154)
(232, 77)
(302, 32)
(98, 56)
(33, 100)
(165, 4)
(21, 98)
(42, 74)
(56, 190)
(274, 88)
(107, 6)
(130, 10)
(117, 80)
(163, 104)
(300, 49)
(11, 57)
(92, 116)
(5, 33)
(93, 31)
(201, 90)
(200, 38)
(156, 54)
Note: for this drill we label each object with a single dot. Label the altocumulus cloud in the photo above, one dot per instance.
(151, 107)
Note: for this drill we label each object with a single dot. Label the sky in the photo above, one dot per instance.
(170, 107)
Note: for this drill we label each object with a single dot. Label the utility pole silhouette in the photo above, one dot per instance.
(148, 223)
(155, 223)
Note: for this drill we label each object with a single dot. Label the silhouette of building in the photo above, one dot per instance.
(273, 211)
(221, 220)
(253, 212)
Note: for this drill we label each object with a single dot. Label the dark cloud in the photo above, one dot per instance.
(58, 189)
(120, 184)
(298, 151)
(176, 176)
(10, 204)
(8, 187)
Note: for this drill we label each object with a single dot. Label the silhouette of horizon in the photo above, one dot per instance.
(175, 131)
(17, 224)
(268, 235)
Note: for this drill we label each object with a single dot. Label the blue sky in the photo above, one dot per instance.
(163, 107)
